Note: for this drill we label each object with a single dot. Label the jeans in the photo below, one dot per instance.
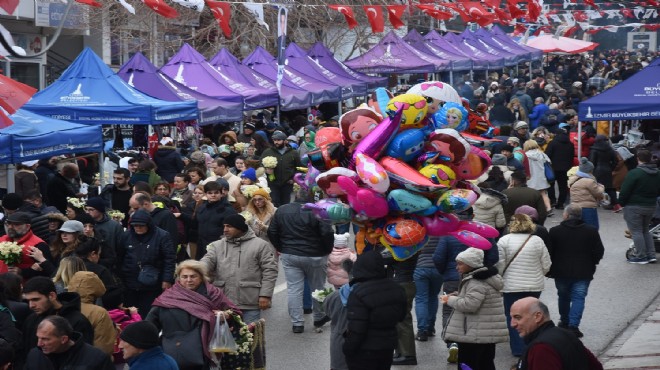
(406, 344)
(428, 282)
(515, 341)
(638, 219)
(307, 296)
(280, 194)
(571, 294)
(590, 217)
(297, 269)
(251, 315)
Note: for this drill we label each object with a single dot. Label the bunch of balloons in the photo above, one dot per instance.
(400, 168)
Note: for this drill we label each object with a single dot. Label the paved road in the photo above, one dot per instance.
(618, 294)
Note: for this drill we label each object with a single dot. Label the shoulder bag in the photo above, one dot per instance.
(549, 172)
(516, 255)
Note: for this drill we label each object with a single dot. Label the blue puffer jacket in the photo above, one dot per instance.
(155, 248)
(153, 358)
(445, 257)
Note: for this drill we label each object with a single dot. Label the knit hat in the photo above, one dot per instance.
(30, 163)
(141, 334)
(472, 257)
(250, 173)
(577, 84)
(140, 217)
(236, 221)
(341, 240)
(85, 218)
(508, 148)
(248, 126)
(72, 226)
(520, 124)
(12, 201)
(586, 166)
(514, 139)
(292, 138)
(564, 125)
(527, 210)
(96, 203)
(279, 135)
(263, 192)
(197, 157)
(499, 160)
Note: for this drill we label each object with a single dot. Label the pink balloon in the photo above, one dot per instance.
(366, 203)
(409, 178)
(372, 173)
(471, 239)
(440, 224)
(376, 142)
(475, 164)
(327, 135)
(480, 228)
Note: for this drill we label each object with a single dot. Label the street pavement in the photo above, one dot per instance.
(621, 322)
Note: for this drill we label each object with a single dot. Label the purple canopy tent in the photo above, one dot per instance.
(434, 39)
(291, 98)
(458, 62)
(321, 55)
(144, 76)
(189, 68)
(489, 38)
(298, 59)
(502, 36)
(510, 59)
(459, 42)
(264, 63)
(393, 55)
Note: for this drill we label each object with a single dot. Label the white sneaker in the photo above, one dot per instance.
(453, 353)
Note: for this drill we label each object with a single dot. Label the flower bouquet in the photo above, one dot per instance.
(241, 147)
(269, 164)
(10, 253)
(248, 190)
(244, 337)
(76, 202)
(116, 215)
(320, 295)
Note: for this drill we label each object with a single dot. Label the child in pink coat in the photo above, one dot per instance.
(122, 317)
(337, 276)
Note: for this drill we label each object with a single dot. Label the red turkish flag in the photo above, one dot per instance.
(90, 3)
(394, 13)
(533, 11)
(503, 15)
(9, 5)
(5, 121)
(591, 4)
(580, 16)
(347, 11)
(514, 10)
(431, 11)
(457, 9)
(222, 13)
(478, 14)
(569, 32)
(628, 13)
(519, 29)
(375, 17)
(652, 27)
(653, 3)
(161, 8)
(492, 3)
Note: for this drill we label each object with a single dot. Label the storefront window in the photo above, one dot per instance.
(27, 73)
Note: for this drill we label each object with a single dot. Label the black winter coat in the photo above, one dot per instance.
(604, 158)
(375, 305)
(164, 219)
(169, 163)
(58, 189)
(81, 356)
(286, 164)
(70, 310)
(294, 230)
(154, 248)
(575, 250)
(209, 219)
(561, 152)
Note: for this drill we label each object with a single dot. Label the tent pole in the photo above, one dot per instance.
(339, 107)
(11, 180)
(101, 175)
(451, 78)
(579, 141)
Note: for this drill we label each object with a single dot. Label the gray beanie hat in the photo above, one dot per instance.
(472, 257)
(499, 160)
(586, 166)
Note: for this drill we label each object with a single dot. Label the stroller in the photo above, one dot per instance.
(654, 229)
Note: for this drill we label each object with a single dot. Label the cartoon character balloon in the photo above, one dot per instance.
(451, 115)
(327, 181)
(414, 110)
(449, 143)
(407, 145)
(331, 210)
(439, 174)
(438, 91)
(307, 180)
(327, 135)
(403, 237)
(377, 140)
(379, 99)
(356, 124)
(372, 173)
(469, 233)
(366, 203)
(456, 200)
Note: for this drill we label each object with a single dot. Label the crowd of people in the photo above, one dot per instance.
(140, 270)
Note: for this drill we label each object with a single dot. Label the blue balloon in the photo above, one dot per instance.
(407, 145)
(451, 115)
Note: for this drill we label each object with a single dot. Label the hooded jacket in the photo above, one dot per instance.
(244, 268)
(81, 356)
(90, 288)
(537, 160)
(605, 159)
(478, 315)
(372, 314)
(585, 191)
(169, 162)
(561, 152)
(641, 187)
(488, 208)
(525, 100)
(70, 310)
(575, 250)
(210, 221)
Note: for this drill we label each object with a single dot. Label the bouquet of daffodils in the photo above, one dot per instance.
(248, 190)
(10, 253)
(241, 147)
(76, 202)
(269, 164)
(116, 215)
(177, 199)
(320, 295)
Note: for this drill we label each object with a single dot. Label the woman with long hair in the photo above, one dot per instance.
(68, 267)
(259, 143)
(261, 211)
(537, 179)
(197, 175)
(518, 110)
(69, 235)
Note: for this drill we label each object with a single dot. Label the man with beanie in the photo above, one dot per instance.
(106, 230)
(60, 347)
(519, 194)
(140, 346)
(281, 181)
(304, 243)
(511, 161)
(639, 194)
(248, 131)
(244, 267)
(146, 259)
(210, 215)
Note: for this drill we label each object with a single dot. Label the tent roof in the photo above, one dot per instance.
(323, 56)
(393, 55)
(460, 42)
(434, 38)
(637, 97)
(33, 136)
(89, 92)
(290, 98)
(497, 33)
(140, 73)
(510, 58)
(458, 62)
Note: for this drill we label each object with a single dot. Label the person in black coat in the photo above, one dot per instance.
(61, 186)
(89, 251)
(62, 348)
(209, 216)
(604, 158)
(375, 305)
(561, 152)
(46, 170)
(146, 258)
(10, 288)
(167, 159)
(499, 114)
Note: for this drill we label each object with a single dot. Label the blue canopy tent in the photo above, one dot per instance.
(636, 98)
(144, 76)
(89, 92)
(33, 137)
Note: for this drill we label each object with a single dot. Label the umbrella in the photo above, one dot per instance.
(14, 94)
(436, 90)
(552, 44)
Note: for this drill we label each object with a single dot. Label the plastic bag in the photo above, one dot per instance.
(222, 341)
